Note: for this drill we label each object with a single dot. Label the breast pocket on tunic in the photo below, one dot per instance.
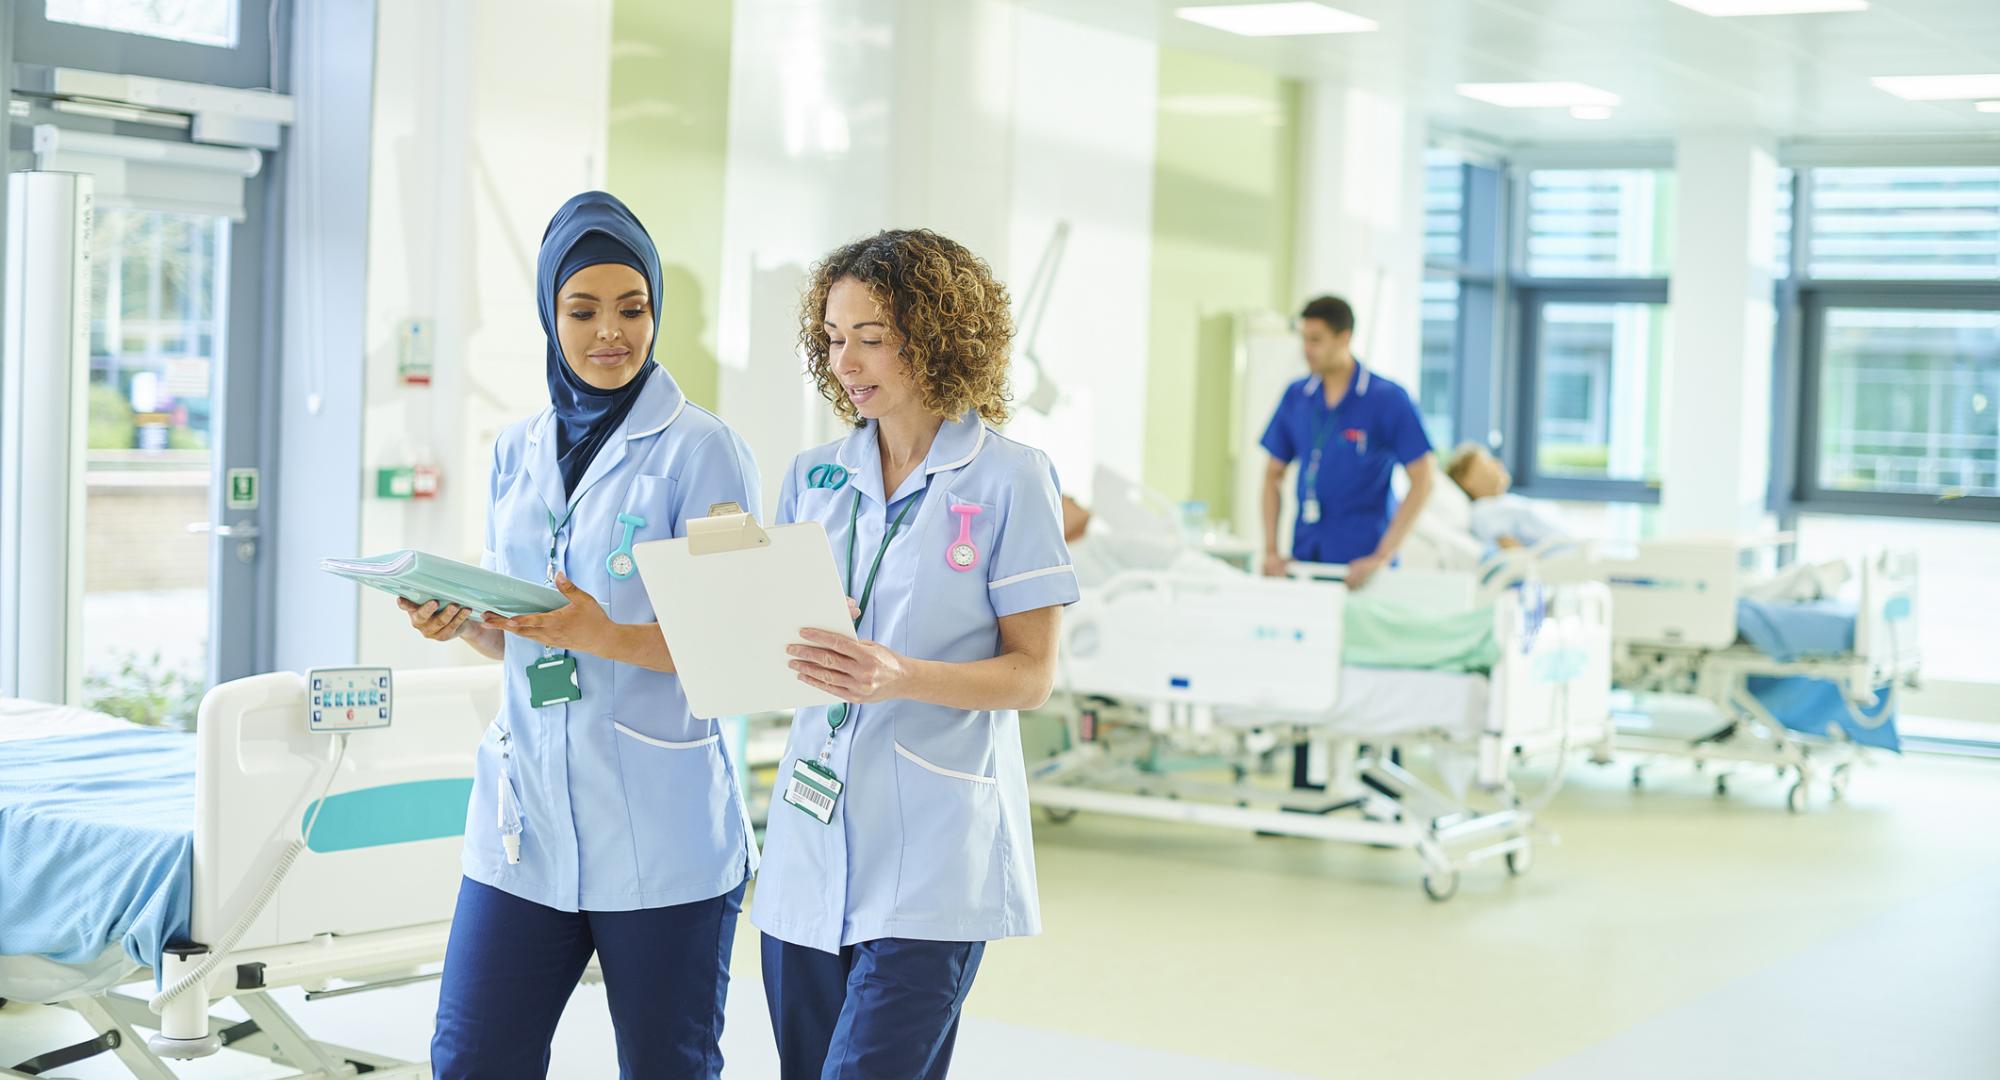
(651, 502)
(954, 608)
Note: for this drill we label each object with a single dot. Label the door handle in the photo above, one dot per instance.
(244, 532)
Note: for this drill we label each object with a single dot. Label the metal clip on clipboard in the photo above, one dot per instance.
(728, 527)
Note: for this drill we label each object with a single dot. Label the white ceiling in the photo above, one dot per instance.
(1803, 77)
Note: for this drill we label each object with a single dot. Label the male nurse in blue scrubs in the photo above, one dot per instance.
(1347, 429)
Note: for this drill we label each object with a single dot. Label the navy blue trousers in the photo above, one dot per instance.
(880, 1010)
(511, 964)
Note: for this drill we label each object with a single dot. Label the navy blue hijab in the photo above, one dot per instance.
(591, 229)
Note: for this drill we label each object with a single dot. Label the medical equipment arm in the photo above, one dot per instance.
(1274, 479)
(1020, 677)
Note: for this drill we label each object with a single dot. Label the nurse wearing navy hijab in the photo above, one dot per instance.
(899, 843)
(604, 818)
(1346, 428)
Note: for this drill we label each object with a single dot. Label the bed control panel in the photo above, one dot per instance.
(349, 699)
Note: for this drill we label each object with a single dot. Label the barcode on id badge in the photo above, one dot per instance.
(804, 792)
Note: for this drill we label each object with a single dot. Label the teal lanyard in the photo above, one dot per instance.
(837, 715)
(1319, 443)
(555, 530)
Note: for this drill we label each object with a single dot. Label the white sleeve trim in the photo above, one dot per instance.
(1065, 568)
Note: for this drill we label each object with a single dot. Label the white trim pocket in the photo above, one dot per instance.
(664, 744)
(941, 770)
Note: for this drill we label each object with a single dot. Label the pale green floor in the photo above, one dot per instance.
(1671, 933)
(1328, 961)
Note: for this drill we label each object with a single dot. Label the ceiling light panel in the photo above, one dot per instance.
(1939, 87)
(1277, 20)
(1553, 95)
(1734, 8)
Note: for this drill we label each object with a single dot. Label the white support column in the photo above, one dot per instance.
(43, 416)
(1716, 449)
(1361, 218)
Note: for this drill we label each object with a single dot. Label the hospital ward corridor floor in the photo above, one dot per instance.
(1670, 934)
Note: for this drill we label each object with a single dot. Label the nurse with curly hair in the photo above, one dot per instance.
(901, 843)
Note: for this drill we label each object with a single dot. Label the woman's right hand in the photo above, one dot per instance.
(434, 623)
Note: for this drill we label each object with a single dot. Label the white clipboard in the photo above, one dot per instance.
(730, 596)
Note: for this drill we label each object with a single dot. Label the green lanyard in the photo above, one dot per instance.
(555, 529)
(837, 714)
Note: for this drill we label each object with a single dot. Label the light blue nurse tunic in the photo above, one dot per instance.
(930, 837)
(621, 800)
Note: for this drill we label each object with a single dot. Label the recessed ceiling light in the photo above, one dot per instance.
(1988, 106)
(1554, 95)
(1277, 20)
(1939, 87)
(1591, 112)
(1732, 8)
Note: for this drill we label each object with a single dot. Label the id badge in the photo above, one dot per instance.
(1309, 511)
(552, 681)
(814, 789)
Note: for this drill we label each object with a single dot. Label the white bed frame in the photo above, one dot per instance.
(1189, 649)
(1675, 632)
(342, 921)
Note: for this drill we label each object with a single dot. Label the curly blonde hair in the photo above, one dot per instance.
(944, 302)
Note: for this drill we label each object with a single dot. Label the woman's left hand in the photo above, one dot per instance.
(862, 672)
(579, 626)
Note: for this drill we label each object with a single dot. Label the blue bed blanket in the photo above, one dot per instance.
(1787, 632)
(96, 844)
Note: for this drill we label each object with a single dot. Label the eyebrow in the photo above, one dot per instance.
(625, 296)
(881, 325)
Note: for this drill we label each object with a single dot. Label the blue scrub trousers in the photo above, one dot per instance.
(511, 964)
(880, 1010)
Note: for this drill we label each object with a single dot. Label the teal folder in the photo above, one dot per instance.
(419, 576)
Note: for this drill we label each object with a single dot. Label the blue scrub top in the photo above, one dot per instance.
(930, 838)
(622, 800)
(1374, 428)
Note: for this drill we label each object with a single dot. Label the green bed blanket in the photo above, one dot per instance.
(1382, 634)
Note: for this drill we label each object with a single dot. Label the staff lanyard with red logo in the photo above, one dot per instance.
(1309, 505)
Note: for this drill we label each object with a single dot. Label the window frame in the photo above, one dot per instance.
(1528, 301)
(1815, 300)
(42, 42)
(1480, 274)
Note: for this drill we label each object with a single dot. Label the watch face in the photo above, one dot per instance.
(963, 554)
(621, 565)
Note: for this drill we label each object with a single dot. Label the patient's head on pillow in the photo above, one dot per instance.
(1478, 473)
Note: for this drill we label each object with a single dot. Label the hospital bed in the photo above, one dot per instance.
(1227, 669)
(1805, 687)
(252, 854)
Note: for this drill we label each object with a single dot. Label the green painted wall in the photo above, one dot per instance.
(669, 141)
(1224, 224)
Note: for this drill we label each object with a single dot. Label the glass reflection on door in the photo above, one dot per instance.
(156, 335)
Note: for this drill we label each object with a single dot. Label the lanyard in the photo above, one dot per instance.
(555, 530)
(1319, 443)
(837, 715)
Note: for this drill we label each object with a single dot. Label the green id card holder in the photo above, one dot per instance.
(813, 789)
(552, 681)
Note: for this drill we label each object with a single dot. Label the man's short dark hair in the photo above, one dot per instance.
(1331, 310)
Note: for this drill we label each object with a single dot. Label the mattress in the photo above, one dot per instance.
(1376, 703)
(97, 842)
(38, 720)
(1785, 632)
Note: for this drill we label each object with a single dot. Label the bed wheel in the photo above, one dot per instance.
(1841, 775)
(1519, 860)
(1722, 785)
(1059, 815)
(1638, 777)
(1795, 799)
(1442, 886)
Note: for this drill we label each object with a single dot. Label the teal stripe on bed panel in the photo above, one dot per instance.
(391, 814)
